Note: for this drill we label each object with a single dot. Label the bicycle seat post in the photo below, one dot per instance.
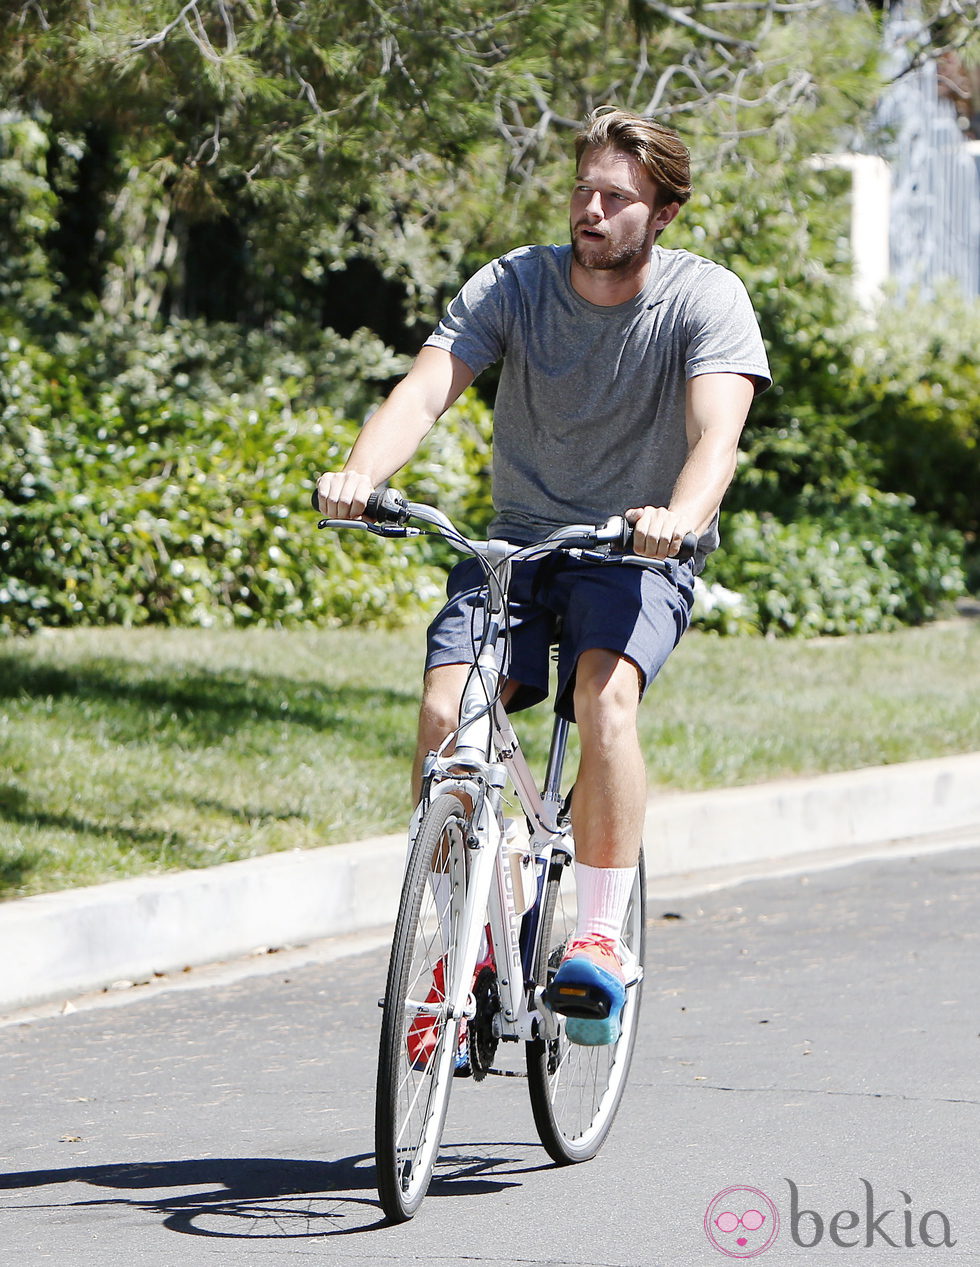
(556, 760)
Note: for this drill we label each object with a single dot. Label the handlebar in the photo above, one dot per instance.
(391, 511)
(384, 505)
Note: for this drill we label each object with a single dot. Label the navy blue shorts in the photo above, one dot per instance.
(635, 612)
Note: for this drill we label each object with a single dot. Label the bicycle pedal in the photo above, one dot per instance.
(583, 989)
(632, 969)
(582, 1001)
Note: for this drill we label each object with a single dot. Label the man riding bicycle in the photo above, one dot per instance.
(627, 374)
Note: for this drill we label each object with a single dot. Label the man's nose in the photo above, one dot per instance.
(594, 206)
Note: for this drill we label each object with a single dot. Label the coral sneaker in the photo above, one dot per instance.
(589, 989)
(421, 1037)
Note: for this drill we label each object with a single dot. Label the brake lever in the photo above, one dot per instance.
(376, 529)
(609, 555)
(644, 560)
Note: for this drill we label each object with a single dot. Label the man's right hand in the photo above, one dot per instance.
(343, 494)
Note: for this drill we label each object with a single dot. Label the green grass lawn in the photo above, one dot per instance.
(126, 752)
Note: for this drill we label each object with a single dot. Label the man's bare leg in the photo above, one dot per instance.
(442, 689)
(610, 792)
(609, 804)
(607, 817)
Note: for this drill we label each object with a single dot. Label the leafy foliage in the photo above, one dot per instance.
(282, 140)
(289, 165)
(171, 487)
(873, 566)
(916, 386)
(27, 216)
(163, 497)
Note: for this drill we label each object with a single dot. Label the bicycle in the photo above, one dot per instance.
(487, 905)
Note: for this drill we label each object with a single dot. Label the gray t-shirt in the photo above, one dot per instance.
(589, 417)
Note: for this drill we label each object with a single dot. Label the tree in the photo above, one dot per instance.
(233, 158)
(290, 132)
(289, 165)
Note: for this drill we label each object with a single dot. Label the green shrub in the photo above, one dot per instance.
(858, 405)
(163, 475)
(151, 368)
(917, 378)
(127, 503)
(874, 565)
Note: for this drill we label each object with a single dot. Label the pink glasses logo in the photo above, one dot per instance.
(741, 1222)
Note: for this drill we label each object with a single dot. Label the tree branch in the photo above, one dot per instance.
(151, 40)
(683, 18)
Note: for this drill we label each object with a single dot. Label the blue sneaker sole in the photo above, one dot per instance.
(593, 1033)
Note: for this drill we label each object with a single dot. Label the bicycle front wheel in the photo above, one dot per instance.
(418, 1038)
(576, 1091)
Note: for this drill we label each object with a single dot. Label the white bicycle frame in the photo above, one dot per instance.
(485, 753)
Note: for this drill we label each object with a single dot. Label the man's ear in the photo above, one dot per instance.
(663, 215)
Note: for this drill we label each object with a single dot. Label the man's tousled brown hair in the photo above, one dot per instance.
(659, 150)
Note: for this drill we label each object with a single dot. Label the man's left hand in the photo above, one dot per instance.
(657, 531)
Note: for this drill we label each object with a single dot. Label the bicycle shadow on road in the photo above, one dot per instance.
(270, 1198)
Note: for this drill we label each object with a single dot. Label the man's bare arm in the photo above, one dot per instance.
(717, 406)
(394, 432)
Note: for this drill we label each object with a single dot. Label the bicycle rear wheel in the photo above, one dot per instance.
(418, 1040)
(576, 1091)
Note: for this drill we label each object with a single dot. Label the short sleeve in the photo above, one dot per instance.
(474, 326)
(723, 331)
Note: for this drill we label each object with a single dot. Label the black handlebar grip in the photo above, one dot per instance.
(387, 506)
(383, 505)
(374, 506)
(688, 548)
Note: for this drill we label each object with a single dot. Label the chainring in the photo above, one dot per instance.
(483, 1040)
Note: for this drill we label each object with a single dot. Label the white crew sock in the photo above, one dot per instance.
(603, 894)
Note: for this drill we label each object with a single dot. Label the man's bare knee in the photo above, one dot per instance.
(439, 713)
(442, 690)
(607, 691)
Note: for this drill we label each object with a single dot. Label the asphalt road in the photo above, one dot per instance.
(811, 1042)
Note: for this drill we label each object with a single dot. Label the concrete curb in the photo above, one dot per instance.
(855, 809)
(63, 944)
